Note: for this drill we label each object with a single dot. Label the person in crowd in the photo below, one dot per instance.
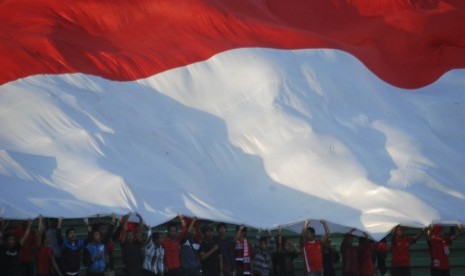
(349, 254)
(71, 252)
(365, 256)
(262, 261)
(46, 263)
(51, 233)
(106, 231)
(95, 257)
(283, 258)
(154, 256)
(190, 263)
(131, 248)
(226, 251)
(438, 244)
(171, 244)
(243, 252)
(380, 255)
(330, 258)
(400, 251)
(10, 250)
(209, 253)
(313, 259)
(26, 255)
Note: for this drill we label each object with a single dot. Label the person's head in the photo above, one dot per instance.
(309, 233)
(53, 223)
(243, 231)
(399, 232)
(44, 239)
(263, 243)
(327, 244)
(156, 238)
(71, 234)
(207, 232)
(9, 240)
(438, 230)
(172, 230)
(221, 229)
(192, 231)
(348, 237)
(103, 229)
(96, 236)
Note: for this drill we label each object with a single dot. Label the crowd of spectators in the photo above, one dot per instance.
(192, 248)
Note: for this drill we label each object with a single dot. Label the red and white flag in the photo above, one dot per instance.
(257, 112)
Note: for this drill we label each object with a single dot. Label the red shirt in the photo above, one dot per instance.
(44, 257)
(349, 258)
(439, 250)
(26, 255)
(400, 251)
(313, 260)
(171, 247)
(366, 260)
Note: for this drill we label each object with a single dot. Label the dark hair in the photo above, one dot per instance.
(311, 229)
(221, 224)
(263, 239)
(155, 236)
(170, 225)
(244, 230)
(205, 229)
(69, 230)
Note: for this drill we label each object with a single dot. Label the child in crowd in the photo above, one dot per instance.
(131, 248)
(10, 250)
(380, 256)
(171, 244)
(262, 261)
(330, 258)
(209, 253)
(365, 256)
(71, 249)
(400, 251)
(438, 244)
(349, 255)
(283, 258)
(154, 256)
(46, 263)
(95, 257)
(313, 259)
(26, 255)
(226, 251)
(190, 264)
(243, 251)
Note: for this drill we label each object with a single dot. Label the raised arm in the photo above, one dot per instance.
(40, 231)
(26, 233)
(59, 236)
(123, 229)
(140, 228)
(457, 233)
(304, 229)
(279, 240)
(419, 234)
(239, 232)
(327, 233)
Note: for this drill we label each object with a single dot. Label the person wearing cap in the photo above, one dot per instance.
(438, 244)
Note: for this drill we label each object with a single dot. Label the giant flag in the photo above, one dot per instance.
(262, 112)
